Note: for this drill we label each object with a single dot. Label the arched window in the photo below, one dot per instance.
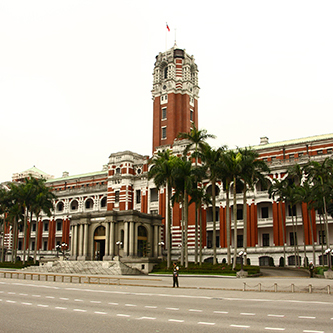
(103, 202)
(74, 205)
(166, 72)
(60, 206)
(89, 204)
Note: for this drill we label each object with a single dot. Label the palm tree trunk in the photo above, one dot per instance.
(304, 246)
(228, 226)
(183, 231)
(168, 225)
(30, 227)
(3, 239)
(283, 222)
(186, 227)
(312, 238)
(196, 236)
(294, 234)
(25, 233)
(235, 224)
(214, 222)
(322, 241)
(326, 224)
(200, 237)
(245, 224)
(36, 239)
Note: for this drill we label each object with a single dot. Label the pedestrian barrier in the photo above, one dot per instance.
(293, 289)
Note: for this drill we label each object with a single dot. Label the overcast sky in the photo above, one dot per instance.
(76, 76)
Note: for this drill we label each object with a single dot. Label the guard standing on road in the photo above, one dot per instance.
(175, 275)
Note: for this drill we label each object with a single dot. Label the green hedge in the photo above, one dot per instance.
(17, 265)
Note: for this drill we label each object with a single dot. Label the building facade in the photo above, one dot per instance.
(119, 211)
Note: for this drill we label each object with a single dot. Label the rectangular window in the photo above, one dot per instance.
(320, 152)
(239, 240)
(45, 246)
(329, 151)
(59, 226)
(33, 246)
(192, 115)
(322, 237)
(153, 195)
(292, 212)
(293, 238)
(138, 196)
(264, 212)
(46, 226)
(164, 113)
(239, 214)
(265, 239)
(163, 132)
(116, 196)
(34, 227)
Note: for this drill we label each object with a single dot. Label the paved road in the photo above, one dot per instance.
(286, 272)
(41, 306)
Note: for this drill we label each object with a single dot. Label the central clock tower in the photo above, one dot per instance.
(175, 94)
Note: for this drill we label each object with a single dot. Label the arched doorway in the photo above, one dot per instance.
(143, 246)
(99, 243)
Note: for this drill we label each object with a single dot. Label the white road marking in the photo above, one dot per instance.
(223, 312)
(80, 310)
(99, 312)
(122, 315)
(24, 303)
(97, 302)
(78, 300)
(49, 297)
(130, 305)
(43, 305)
(9, 301)
(11, 293)
(205, 323)
(275, 328)
(247, 314)
(149, 318)
(60, 308)
(240, 326)
(307, 331)
(35, 295)
(113, 303)
(23, 294)
(150, 307)
(64, 298)
(275, 315)
(194, 310)
(306, 317)
(176, 320)
(174, 309)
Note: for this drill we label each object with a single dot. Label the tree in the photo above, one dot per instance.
(197, 141)
(43, 199)
(212, 160)
(278, 190)
(184, 181)
(253, 170)
(161, 171)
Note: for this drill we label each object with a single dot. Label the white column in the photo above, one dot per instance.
(155, 254)
(131, 239)
(81, 240)
(125, 239)
(85, 244)
(107, 237)
(74, 240)
(112, 240)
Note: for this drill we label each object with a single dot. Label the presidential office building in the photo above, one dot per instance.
(118, 211)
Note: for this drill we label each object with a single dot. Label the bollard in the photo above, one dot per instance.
(310, 288)
(292, 288)
(88, 279)
(244, 286)
(328, 289)
(275, 287)
(259, 286)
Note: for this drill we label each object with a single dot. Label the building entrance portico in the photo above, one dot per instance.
(130, 234)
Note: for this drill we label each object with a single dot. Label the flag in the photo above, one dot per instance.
(167, 27)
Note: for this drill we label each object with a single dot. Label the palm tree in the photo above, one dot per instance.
(43, 199)
(184, 180)
(253, 170)
(197, 140)
(212, 160)
(163, 163)
(4, 198)
(278, 190)
(320, 175)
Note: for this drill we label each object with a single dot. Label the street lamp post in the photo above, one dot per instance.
(119, 243)
(241, 254)
(160, 244)
(328, 253)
